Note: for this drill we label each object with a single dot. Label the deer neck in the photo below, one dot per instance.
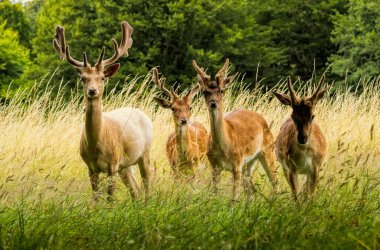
(218, 128)
(182, 139)
(93, 121)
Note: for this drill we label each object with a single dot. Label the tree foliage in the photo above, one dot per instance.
(357, 35)
(263, 39)
(16, 20)
(166, 34)
(13, 60)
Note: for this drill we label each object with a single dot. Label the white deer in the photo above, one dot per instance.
(111, 142)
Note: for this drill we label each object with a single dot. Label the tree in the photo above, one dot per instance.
(13, 60)
(169, 34)
(79, 34)
(16, 20)
(357, 35)
(303, 28)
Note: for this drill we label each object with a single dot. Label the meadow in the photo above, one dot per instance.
(45, 193)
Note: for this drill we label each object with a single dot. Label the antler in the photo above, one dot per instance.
(320, 83)
(161, 83)
(59, 44)
(192, 91)
(293, 95)
(200, 71)
(120, 50)
(222, 72)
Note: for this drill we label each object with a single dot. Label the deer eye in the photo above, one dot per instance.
(82, 79)
(103, 78)
(221, 91)
(312, 117)
(191, 108)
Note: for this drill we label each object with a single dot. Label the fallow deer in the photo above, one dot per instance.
(111, 142)
(300, 145)
(187, 145)
(238, 137)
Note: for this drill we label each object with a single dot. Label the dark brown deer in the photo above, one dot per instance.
(300, 145)
(111, 142)
(187, 145)
(238, 137)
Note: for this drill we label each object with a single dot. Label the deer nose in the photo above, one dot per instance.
(92, 92)
(302, 139)
(183, 121)
(213, 104)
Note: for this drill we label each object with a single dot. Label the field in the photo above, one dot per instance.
(45, 194)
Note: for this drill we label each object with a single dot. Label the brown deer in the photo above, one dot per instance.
(300, 145)
(113, 141)
(238, 137)
(187, 145)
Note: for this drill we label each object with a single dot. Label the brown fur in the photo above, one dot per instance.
(237, 138)
(300, 145)
(187, 145)
(185, 160)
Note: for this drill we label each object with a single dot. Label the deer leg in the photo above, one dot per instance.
(195, 170)
(94, 179)
(312, 181)
(111, 181)
(126, 176)
(215, 176)
(293, 183)
(237, 175)
(237, 179)
(247, 178)
(267, 160)
(145, 171)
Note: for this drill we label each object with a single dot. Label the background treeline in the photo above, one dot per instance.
(265, 40)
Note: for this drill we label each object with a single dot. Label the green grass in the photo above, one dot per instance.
(45, 194)
(340, 217)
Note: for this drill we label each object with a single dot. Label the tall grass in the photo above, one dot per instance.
(45, 194)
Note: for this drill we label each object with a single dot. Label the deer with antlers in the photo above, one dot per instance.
(111, 142)
(300, 145)
(238, 137)
(187, 145)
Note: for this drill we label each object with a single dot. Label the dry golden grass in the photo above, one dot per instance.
(39, 143)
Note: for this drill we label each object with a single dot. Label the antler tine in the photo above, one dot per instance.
(85, 62)
(192, 91)
(125, 44)
(320, 83)
(172, 91)
(161, 83)
(293, 95)
(59, 44)
(200, 71)
(99, 64)
(222, 72)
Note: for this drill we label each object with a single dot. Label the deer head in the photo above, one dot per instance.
(180, 105)
(93, 78)
(213, 89)
(303, 108)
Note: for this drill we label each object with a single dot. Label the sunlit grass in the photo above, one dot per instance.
(45, 194)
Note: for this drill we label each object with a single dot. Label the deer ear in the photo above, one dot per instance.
(284, 99)
(111, 70)
(320, 95)
(163, 103)
(227, 82)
